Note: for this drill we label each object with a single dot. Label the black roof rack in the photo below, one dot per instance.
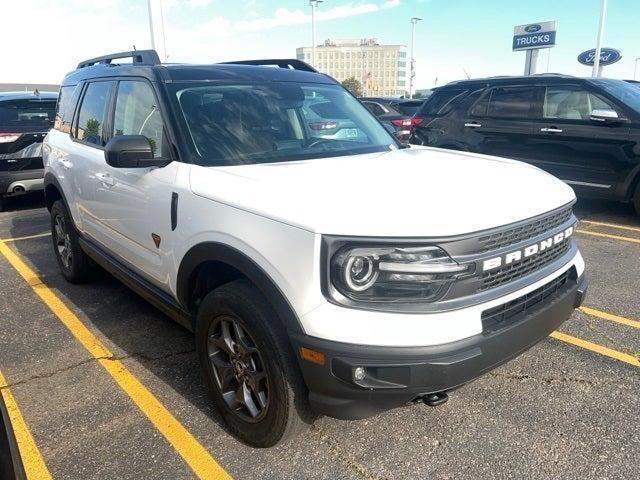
(290, 63)
(140, 57)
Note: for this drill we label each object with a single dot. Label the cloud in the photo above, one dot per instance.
(198, 3)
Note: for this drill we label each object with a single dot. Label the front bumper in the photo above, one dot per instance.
(398, 375)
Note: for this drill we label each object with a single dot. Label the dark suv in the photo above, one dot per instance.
(25, 118)
(584, 131)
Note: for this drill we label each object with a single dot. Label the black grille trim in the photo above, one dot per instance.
(514, 235)
(513, 271)
(499, 317)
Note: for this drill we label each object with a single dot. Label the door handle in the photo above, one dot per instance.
(473, 125)
(105, 179)
(551, 130)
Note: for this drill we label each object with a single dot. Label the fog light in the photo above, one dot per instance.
(359, 374)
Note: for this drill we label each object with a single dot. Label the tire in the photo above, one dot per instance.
(1, 203)
(636, 199)
(75, 265)
(260, 368)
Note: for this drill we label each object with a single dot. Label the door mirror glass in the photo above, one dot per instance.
(131, 151)
(604, 115)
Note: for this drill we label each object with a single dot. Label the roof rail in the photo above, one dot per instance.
(290, 63)
(140, 57)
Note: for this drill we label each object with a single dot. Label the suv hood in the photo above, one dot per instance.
(415, 192)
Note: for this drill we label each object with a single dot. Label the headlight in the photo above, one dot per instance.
(394, 274)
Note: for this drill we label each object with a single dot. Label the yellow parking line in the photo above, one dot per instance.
(28, 237)
(32, 460)
(610, 316)
(193, 453)
(611, 225)
(594, 347)
(606, 235)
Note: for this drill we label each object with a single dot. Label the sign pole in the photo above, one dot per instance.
(531, 62)
(596, 72)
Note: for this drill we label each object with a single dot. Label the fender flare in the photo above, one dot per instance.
(50, 179)
(219, 252)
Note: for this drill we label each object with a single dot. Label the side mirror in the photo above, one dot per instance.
(604, 116)
(131, 151)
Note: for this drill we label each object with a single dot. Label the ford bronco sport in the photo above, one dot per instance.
(321, 275)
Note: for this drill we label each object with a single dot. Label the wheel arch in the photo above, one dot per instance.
(52, 191)
(226, 264)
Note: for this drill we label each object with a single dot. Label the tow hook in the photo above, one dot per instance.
(435, 399)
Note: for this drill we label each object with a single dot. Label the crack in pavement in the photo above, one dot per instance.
(334, 448)
(523, 376)
(139, 355)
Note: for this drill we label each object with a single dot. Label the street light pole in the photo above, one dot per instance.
(153, 42)
(412, 72)
(314, 4)
(596, 60)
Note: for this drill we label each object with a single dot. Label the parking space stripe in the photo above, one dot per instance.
(594, 347)
(32, 460)
(28, 237)
(607, 235)
(193, 453)
(610, 316)
(611, 225)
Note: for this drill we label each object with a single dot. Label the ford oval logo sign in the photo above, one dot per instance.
(532, 28)
(607, 56)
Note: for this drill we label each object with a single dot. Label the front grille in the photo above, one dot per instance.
(508, 313)
(513, 271)
(523, 232)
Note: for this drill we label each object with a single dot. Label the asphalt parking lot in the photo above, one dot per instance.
(102, 385)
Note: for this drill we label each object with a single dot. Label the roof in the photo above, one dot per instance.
(4, 96)
(537, 78)
(186, 72)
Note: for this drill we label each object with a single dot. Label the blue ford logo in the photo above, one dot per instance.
(607, 56)
(532, 28)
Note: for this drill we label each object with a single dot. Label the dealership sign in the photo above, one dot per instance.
(607, 56)
(534, 35)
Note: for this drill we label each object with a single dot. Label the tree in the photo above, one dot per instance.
(353, 85)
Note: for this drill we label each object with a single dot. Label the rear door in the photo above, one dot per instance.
(499, 123)
(566, 143)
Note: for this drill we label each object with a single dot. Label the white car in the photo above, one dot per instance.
(321, 276)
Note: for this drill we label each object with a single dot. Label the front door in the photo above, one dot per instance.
(135, 203)
(586, 154)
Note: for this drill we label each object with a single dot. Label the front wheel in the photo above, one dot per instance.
(249, 368)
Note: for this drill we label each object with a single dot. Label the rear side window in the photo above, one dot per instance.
(442, 101)
(33, 113)
(511, 102)
(137, 113)
(64, 109)
(91, 114)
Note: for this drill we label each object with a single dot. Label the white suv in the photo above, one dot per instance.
(341, 276)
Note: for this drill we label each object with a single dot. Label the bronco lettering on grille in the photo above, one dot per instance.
(527, 252)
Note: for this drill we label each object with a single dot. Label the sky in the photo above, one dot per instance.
(44, 39)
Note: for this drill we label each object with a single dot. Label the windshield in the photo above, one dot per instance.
(272, 122)
(627, 93)
(36, 114)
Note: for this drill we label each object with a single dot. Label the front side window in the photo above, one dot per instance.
(628, 94)
(571, 102)
(511, 102)
(137, 113)
(91, 114)
(274, 122)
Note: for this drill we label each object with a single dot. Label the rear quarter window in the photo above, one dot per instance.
(442, 101)
(64, 109)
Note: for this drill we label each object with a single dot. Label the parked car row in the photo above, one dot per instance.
(583, 131)
(25, 119)
(395, 113)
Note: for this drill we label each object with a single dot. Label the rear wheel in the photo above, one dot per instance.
(636, 199)
(249, 368)
(75, 265)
